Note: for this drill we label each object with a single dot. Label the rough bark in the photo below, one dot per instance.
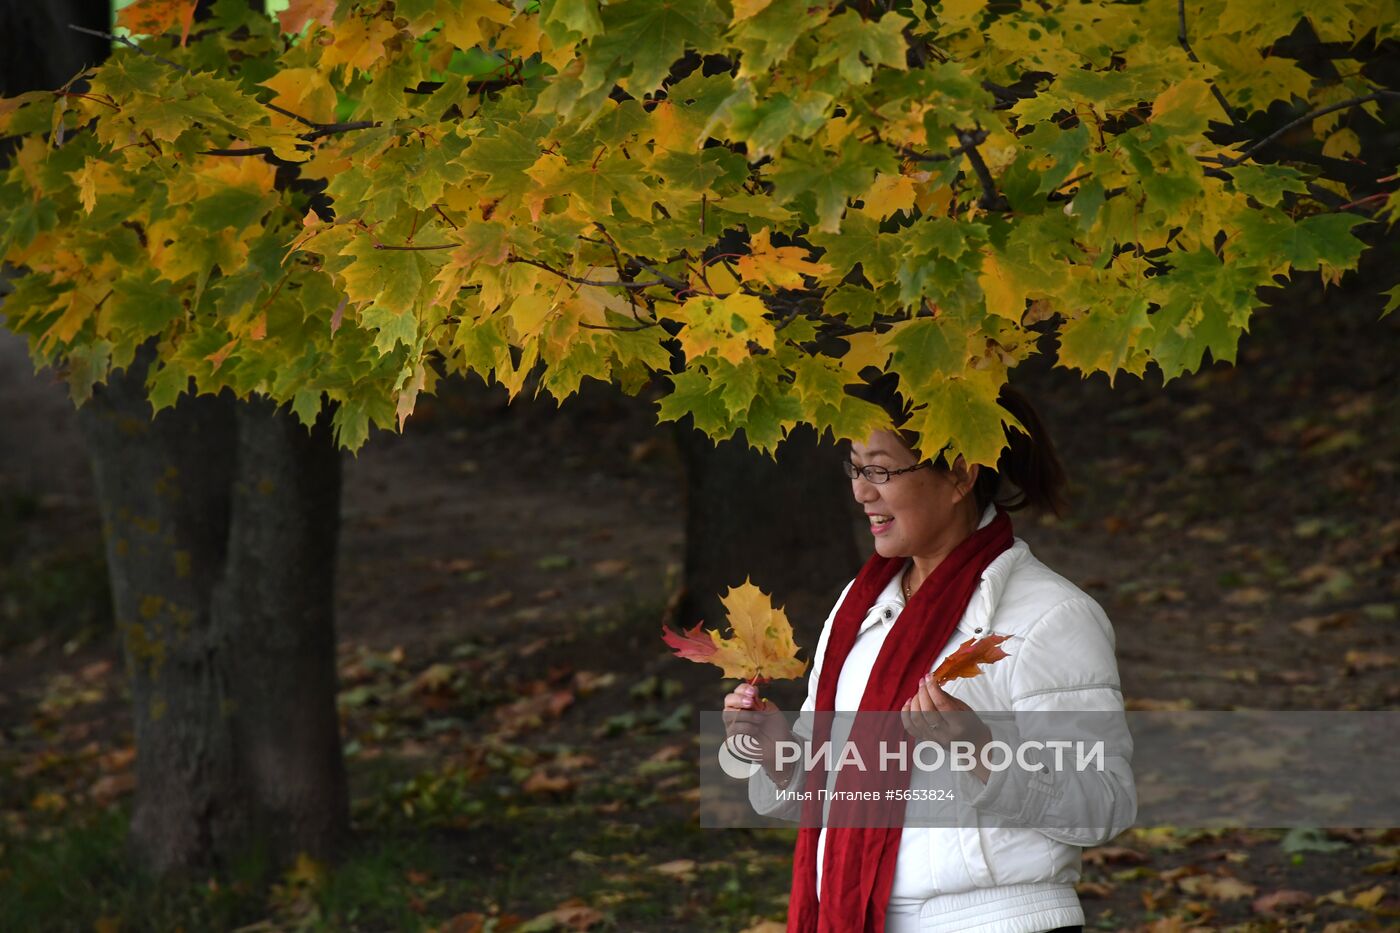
(274, 608)
(786, 523)
(220, 522)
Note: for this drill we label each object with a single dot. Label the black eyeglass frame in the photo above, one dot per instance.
(870, 471)
(852, 471)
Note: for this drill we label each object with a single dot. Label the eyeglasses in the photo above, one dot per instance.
(877, 475)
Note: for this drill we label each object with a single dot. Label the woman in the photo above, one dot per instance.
(946, 569)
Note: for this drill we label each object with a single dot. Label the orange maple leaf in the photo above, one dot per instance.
(300, 12)
(970, 654)
(155, 17)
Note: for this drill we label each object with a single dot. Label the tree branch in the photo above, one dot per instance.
(410, 248)
(318, 130)
(576, 279)
(977, 137)
(1186, 44)
(990, 200)
(1321, 111)
(128, 43)
(643, 325)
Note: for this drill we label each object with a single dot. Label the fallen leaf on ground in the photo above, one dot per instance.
(1284, 899)
(682, 868)
(586, 682)
(110, 787)
(1313, 624)
(1368, 660)
(541, 782)
(1220, 887)
(767, 926)
(611, 567)
(1100, 855)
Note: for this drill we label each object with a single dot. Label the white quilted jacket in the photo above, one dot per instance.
(995, 879)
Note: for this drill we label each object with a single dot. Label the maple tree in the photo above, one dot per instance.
(344, 205)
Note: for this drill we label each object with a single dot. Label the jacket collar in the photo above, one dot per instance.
(984, 601)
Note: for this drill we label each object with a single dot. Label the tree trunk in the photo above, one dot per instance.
(41, 52)
(220, 520)
(786, 524)
(275, 610)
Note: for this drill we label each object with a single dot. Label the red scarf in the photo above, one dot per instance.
(862, 840)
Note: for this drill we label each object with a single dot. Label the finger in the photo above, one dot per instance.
(940, 700)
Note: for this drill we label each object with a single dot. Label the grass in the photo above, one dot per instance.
(402, 875)
(56, 593)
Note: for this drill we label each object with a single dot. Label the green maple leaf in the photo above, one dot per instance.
(1307, 244)
(773, 413)
(963, 411)
(807, 172)
(1394, 301)
(817, 382)
(738, 384)
(1267, 184)
(857, 44)
(574, 16)
(857, 305)
(142, 305)
(1104, 339)
(766, 124)
(391, 279)
(767, 37)
(927, 349)
(1183, 331)
(693, 393)
(504, 156)
(860, 242)
(652, 36)
(852, 419)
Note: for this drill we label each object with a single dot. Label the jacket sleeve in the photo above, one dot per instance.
(1065, 689)
(763, 793)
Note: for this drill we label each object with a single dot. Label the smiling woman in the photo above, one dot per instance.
(946, 567)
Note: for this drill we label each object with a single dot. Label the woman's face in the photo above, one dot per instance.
(920, 513)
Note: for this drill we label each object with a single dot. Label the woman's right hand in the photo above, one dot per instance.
(761, 720)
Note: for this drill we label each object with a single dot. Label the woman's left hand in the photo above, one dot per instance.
(937, 716)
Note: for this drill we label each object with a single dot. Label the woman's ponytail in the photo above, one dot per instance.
(1029, 464)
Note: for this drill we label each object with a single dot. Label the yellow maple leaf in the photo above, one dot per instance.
(889, 193)
(725, 325)
(760, 642)
(748, 9)
(461, 20)
(357, 44)
(305, 92)
(1005, 291)
(95, 178)
(780, 266)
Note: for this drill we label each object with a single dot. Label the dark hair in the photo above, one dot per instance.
(1029, 464)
